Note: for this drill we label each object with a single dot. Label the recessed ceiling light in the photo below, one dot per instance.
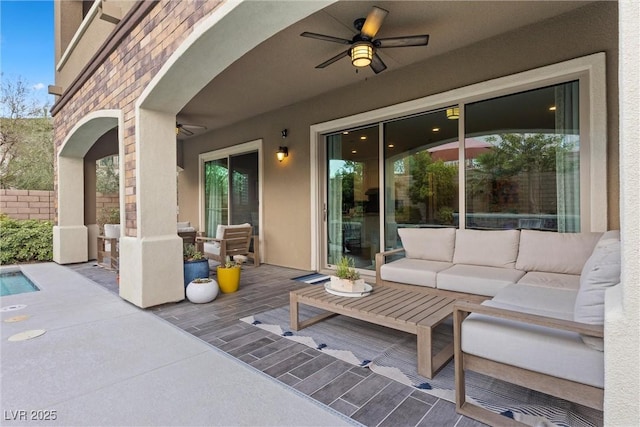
(436, 129)
(390, 145)
(552, 108)
(346, 132)
(363, 137)
(353, 151)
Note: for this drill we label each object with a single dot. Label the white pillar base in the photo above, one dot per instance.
(70, 244)
(93, 231)
(151, 270)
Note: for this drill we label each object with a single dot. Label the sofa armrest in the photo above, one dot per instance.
(381, 258)
(462, 308)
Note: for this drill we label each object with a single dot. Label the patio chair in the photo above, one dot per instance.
(230, 241)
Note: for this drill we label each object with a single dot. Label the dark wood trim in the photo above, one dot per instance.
(138, 11)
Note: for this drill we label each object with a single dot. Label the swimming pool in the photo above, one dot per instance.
(15, 282)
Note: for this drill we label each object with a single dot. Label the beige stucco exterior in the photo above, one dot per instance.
(142, 104)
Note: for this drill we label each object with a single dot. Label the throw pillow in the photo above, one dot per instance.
(601, 271)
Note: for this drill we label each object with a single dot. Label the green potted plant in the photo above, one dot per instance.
(229, 276)
(196, 266)
(347, 278)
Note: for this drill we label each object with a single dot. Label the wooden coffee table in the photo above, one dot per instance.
(405, 310)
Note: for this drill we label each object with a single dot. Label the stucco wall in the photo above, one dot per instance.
(286, 198)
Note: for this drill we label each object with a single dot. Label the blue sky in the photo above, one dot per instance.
(26, 44)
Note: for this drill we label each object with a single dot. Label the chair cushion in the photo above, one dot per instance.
(493, 248)
(221, 228)
(211, 248)
(435, 244)
(547, 251)
(413, 271)
(551, 280)
(477, 279)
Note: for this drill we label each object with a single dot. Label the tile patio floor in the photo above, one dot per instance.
(366, 397)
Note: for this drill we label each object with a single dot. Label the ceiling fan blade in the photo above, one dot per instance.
(325, 38)
(334, 59)
(373, 22)
(421, 40)
(182, 129)
(376, 64)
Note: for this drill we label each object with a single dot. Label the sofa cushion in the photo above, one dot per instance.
(477, 279)
(493, 248)
(435, 244)
(555, 252)
(601, 271)
(551, 280)
(413, 271)
(537, 348)
(556, 303)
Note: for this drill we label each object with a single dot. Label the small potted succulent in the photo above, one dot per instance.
(196, 266)
(229, 275)
(347, 278)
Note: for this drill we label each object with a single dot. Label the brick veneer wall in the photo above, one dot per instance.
(39, 204)
(118, 80)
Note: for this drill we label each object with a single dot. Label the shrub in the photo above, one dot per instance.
(25, 240)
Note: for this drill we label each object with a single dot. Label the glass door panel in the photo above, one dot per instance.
(231, 192)
(421, 173)
(216, 195)
(244, 190)
(528, 173)
(353, 202)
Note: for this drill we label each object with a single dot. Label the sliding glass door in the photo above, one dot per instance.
(352, 200)
(231, 192)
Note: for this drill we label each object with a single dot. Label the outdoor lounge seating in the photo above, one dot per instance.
(230, 241)
(187, 232)
(542, 328)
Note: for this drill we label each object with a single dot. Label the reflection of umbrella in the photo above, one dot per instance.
(449, 152)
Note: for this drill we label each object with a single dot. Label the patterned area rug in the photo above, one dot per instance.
(393, 354)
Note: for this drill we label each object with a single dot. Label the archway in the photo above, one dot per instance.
(71, 234)
(151, 261)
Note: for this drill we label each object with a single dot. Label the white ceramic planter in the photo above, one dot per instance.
(200, 293)
(112, 231)
(344, 285)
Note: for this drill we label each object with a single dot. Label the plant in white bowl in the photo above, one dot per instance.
(347, 279)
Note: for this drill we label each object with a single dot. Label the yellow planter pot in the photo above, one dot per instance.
(228, 279)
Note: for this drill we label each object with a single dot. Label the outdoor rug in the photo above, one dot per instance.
(393, 354)
(313, 278)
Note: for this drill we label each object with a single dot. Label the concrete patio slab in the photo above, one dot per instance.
(103, 361)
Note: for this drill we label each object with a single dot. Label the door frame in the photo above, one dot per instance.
(244, 148)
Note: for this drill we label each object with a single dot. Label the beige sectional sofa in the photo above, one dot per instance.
(541, 322)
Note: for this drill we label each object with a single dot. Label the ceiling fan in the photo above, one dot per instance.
(188, 129)
(363, 47)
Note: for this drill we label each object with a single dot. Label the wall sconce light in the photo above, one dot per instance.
(361, 54)
(453, 113)
(282, 153)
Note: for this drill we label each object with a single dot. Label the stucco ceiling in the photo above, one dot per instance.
(281, 70)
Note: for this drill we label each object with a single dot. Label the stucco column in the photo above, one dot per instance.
(151, 271)
(622, 303)
(70, 235)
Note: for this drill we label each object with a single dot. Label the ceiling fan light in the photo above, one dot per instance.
(453, 113)
(361, 54)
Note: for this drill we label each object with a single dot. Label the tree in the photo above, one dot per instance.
(517, 154)
(26, 139)
(433, 183)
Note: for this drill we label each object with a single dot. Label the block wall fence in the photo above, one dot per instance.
(39, 204)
